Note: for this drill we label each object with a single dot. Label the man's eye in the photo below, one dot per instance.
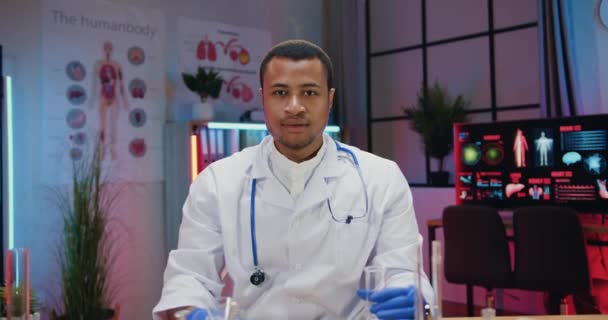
(310, 93)
(279, 93)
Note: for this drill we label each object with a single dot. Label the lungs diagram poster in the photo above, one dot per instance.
(103, 82)
(235, 52)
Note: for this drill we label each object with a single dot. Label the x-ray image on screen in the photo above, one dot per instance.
(543, 147)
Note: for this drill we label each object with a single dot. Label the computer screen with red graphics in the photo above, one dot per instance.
(560, 161)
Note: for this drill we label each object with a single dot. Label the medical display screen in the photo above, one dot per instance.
(520, 163)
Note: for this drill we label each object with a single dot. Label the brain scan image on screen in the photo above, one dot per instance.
(572, 157)
(595, 164)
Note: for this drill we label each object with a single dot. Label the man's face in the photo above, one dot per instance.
(296, 104)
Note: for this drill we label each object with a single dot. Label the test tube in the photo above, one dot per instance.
(420, 314)
(436, 270)
(374, 280)
(17, 281)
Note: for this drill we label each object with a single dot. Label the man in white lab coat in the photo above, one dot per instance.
(297, 218)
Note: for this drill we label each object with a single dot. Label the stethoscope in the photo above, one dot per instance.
(258, 276)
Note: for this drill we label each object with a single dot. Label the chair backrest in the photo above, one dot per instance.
(476, 247)
(549, 250)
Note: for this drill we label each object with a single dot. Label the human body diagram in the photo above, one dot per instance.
(520, 146)
(543, 146)
(109, 96)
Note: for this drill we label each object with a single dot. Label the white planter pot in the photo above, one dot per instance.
(202, 111)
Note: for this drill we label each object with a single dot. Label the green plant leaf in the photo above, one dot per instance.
(204, 83)
(433, 117)
(189, 81)
(86, 249)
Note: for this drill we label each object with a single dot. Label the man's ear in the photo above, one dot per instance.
(332, 91)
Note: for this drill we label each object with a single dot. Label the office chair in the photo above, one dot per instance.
(476, 250)
(550, 252)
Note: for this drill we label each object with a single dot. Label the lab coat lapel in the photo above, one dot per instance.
(329, 167)
(268, 187)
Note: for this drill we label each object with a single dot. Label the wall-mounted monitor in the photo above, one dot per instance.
(560, 161)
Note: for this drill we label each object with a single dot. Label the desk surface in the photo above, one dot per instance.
(555, 317)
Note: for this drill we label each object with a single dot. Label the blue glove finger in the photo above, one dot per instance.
(364, 293)
(406, 313)
(197, 314)
(384, 294)
(389, 293)
(398, 302)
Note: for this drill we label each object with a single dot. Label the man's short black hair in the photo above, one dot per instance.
(298, 50)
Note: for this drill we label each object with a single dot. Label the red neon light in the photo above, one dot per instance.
(570, 128)
(539, 180)
(559, 174)
(491, 137)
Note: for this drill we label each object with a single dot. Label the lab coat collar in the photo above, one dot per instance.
(316, 190)
(259, 167)
(273, 191)
(328, 168)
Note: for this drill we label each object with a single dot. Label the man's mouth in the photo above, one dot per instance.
(293, 126)
(294, 123)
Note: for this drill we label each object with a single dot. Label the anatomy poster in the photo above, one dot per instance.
(103, 80)
(235, 52)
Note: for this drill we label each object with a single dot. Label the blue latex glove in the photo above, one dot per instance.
(197, 314)
(391, 303)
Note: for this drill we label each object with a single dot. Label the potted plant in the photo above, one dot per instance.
(205, 84)
(433, 117)
(86, 251)
(34, 314)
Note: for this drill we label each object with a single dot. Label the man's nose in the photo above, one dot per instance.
(294, 106)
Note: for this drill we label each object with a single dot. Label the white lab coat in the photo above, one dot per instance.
(313, 264)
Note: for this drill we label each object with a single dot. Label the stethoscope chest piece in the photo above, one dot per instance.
(257, 277)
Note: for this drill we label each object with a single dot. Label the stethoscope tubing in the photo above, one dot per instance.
(254, 248)
(258, 273)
